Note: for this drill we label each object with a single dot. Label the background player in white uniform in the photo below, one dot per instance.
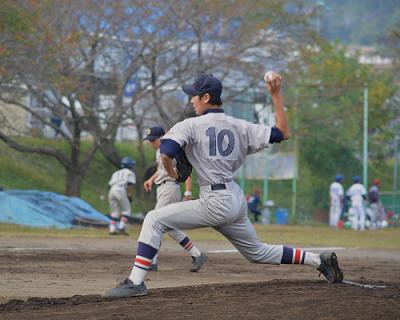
(169, 191)
(357, 196)
(336, 195)
(216, 145)
(120, 196)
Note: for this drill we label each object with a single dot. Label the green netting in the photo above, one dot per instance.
(391, 201)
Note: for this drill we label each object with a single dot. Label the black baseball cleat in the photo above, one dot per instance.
(127, 289)
(198, 262)
(329, 267)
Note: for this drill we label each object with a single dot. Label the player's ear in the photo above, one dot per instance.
(206, 98)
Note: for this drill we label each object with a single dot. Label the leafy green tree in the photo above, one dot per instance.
(327, 92)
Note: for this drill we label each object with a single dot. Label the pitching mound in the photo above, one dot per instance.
(227, 287)
(265, 300)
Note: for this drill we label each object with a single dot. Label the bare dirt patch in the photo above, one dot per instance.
(35, 275)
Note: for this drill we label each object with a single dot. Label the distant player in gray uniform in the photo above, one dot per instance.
(375, 204)
(358, 196)
(169, 191)
(120, 196)
(216, 145)
(336, 196)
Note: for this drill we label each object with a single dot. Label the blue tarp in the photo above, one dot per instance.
(46, 209)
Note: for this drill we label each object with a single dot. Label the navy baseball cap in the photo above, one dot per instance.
(154, 133)
(339, 177)
(205, 83)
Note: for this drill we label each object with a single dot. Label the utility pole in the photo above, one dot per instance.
(320, 8)
(365, 149)
(395, 172)
(295, 145)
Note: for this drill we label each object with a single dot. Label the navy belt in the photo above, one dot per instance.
(218, 186)
(170, 181)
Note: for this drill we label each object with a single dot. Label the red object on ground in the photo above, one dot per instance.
(340, 224)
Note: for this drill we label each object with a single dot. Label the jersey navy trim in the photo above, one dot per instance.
(214, 110)
(276, 135)
(169, 147)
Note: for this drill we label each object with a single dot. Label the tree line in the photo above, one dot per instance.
(70, 57)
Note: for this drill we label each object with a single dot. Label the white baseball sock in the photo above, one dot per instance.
(123, 223)
(137, 275)
(195, 252)
(312, 259)
(188, 245)
(111, 227)
(144, 257)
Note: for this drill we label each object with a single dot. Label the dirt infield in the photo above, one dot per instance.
(36, 273)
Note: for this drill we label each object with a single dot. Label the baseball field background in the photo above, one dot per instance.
(62, 274)
(82, 81)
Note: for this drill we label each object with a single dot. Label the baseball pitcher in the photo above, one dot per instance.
(216, 145)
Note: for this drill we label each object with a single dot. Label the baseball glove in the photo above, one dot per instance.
(182, 166)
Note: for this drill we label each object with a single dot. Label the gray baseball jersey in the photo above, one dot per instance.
(216, 145)
(162, 174)
(117, 196)
(168, 191)
(356, 192)
(336, 192)
(122, 177)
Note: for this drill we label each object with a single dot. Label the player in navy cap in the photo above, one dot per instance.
(336, 196)
(216, 145)
(169, 191)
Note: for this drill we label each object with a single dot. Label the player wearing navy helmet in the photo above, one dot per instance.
(169, 191)
(336, 196)
(375, 204)
(120, 196)
(128, 163)
(357, 195)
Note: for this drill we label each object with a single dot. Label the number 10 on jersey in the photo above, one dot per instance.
(216, 141)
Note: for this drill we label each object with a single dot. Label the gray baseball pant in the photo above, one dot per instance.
(223, 210)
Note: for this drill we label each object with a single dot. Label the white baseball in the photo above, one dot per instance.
(269, 76)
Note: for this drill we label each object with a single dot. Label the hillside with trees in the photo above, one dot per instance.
(361, 22)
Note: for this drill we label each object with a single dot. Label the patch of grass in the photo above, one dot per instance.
(302, 236)
(308, 236)
(388, 238)
(12, 230)
(27, 171)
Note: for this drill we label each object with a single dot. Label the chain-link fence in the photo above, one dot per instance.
(391, 202)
